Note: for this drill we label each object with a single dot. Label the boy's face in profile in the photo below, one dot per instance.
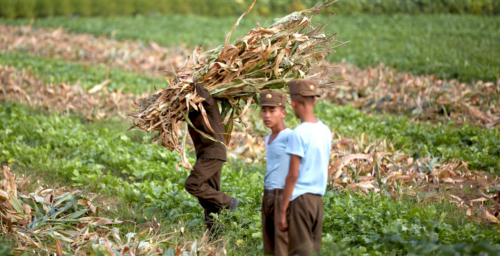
(272, 116)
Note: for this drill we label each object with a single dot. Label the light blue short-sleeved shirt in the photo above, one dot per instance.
(312, 142)
(277, 161)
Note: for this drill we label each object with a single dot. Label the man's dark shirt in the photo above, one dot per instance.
(206, 148)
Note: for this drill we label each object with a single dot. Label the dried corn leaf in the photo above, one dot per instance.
(236, 72)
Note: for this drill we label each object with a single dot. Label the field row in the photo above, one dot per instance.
(427, 202)
(150, 59)
(87, 76)
(147, 175)
(479, 147)
(47, 8)
(423, 97)
(448, 46)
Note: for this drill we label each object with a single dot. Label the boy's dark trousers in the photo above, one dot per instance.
(204, 183)
(305, 218)
(275, 241)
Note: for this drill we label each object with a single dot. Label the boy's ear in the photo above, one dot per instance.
(314, 101)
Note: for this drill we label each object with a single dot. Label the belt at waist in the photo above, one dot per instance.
(273, 192)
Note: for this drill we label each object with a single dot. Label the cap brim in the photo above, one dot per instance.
(314, 95)
(269, 105)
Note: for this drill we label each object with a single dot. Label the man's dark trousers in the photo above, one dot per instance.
(204, 180)
(204, 183)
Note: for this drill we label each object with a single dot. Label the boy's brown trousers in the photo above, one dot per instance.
(275, 241)
(305, 217)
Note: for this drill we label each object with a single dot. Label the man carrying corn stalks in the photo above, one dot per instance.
(204, 180)
(265, 59)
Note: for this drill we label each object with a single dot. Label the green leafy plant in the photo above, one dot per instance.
(148, 177)
(24, 8)
(231, 7)
(44, 8)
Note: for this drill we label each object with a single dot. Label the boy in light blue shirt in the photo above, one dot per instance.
(309, 149)
(272, 113)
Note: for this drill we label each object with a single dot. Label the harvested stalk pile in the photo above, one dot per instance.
(424, 97)
(45, 215)
(364, 165)
(56, 43)
(63, 221)
(266, 58)
(96, 103)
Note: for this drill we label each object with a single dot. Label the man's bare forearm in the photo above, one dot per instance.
(290, 183)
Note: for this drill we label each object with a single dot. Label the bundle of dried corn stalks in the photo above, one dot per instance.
(265, 58)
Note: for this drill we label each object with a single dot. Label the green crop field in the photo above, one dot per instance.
(47, 8)
(449, 46)
(141, 182)
(146, 176)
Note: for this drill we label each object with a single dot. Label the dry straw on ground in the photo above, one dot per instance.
(424, 97)
(56, 43)
(366, 165)
(96, 103)
(264, 59)
(61, 221)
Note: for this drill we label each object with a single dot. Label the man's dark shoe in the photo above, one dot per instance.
(234, 204)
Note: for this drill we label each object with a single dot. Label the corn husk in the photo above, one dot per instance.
(266, 58)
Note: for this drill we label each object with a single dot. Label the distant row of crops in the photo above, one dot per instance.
(47, 8)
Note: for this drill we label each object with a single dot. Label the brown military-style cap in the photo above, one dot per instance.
(272, 99)
(303, 87)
